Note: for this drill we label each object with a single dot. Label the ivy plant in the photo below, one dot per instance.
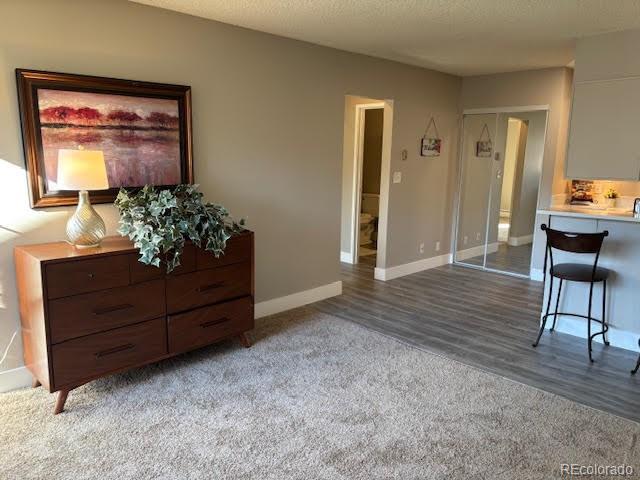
(160, 221)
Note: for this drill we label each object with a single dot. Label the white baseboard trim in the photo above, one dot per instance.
(282, 304)
(536, 274)
(345, 257)
(578, 328)
(390, 273)
(523, 240)
(476, 251)
(15, 378)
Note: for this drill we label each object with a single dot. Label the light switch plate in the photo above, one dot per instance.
(397, 177)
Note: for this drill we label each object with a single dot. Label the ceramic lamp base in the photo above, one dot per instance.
(85, 228)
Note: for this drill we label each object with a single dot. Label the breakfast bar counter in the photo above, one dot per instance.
(576, 211)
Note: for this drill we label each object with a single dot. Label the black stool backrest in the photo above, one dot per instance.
(573, 242)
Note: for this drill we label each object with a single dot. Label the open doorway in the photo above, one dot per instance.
(366, 164)
(371, 171)
(514, 155)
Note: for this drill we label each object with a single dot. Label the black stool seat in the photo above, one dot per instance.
(579, 272)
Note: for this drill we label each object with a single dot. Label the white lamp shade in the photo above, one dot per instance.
(82, 170)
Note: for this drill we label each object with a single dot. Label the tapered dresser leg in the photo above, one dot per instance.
(244, 340)
(35, 383)
(62, 398)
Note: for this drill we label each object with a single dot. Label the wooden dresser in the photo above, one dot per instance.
(87, 313)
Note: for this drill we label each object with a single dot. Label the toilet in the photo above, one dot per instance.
(367, 228)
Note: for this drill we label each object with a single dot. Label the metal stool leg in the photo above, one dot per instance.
(635, 370)
(589, 337)
(605, 325)
(544, 319)
(555, 314)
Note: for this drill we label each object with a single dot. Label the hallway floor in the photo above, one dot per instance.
(489, 321)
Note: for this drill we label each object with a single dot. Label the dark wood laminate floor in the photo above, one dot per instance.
(507, 259)
(487, 320)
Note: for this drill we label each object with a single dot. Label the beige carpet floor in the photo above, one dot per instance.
(314, 398)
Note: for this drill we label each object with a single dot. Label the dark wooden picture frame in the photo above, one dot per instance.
(30, 81)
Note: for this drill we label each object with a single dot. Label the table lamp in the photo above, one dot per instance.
(83, 170)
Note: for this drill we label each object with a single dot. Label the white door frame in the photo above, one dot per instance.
(358, 147)
(456, 220)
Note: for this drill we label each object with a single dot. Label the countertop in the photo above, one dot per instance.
(616, 214)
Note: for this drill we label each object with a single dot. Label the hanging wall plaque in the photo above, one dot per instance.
(484, 147)
(431, 145)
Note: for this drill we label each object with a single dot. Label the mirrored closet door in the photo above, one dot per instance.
(501, 165)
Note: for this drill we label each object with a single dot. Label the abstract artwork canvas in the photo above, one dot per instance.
(138, 136)
(142, 128)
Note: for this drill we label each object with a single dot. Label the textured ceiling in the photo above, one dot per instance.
(463, 37)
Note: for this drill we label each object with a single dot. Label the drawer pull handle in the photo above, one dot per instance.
(113, 350)
(115, 308)
(211, 323)
(91, 275)
(211, 286)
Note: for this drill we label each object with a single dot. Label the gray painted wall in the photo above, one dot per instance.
(551, 87)
(268, 117)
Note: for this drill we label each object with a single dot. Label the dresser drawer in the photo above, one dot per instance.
(84, 358)
(72, 317)
(87, 275)
(190, 290)
(206, 325)
(238, 250)
(142, 273)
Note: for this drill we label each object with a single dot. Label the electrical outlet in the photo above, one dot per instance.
(421, 248)
(397, 177)
(437, 246)
(478, 236)
(465, 240)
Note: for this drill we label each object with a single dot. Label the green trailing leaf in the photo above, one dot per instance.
(159, 222)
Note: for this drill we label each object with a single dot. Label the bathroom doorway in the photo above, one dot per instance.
(369, 214)
(366, 165)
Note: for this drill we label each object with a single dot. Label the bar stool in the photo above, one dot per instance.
(582, 243)
(635, 370)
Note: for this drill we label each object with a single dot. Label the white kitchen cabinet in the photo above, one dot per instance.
(604, 130)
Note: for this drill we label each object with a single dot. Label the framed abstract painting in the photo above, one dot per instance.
(142, 128)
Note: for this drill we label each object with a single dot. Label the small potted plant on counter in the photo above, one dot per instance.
(610, 197)
(159, 222)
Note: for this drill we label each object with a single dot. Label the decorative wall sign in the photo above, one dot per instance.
(144, 130)
(430, 145)
(484, 148)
